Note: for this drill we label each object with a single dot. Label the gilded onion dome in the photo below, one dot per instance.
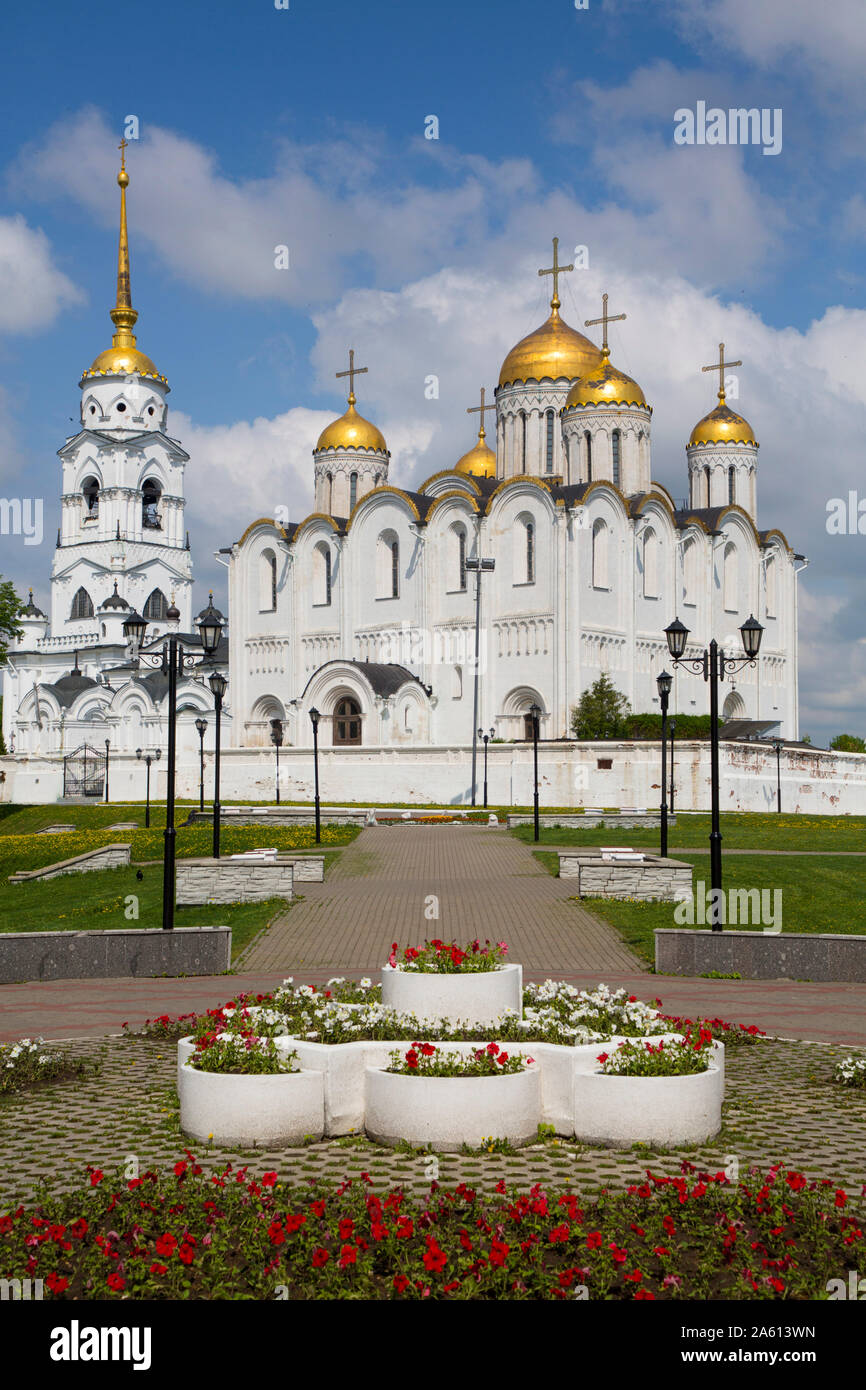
(722, 426)
(606, 385)
(481, 460)
(352, 431)
(554, 350)
(123, 357)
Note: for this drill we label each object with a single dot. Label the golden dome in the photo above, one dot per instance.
(480, 460)
(606, 386)
(352, 431)
(722, 426)
(554, 350)
(123, 357)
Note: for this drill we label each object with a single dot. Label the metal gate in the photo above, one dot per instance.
(84, 772)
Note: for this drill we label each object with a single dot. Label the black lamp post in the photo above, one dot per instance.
(217, 682)
(778, 744)
(277, 741)
(664, 681)
(535, 712)
(477, 567)
(486, 738)
(714, 665)
(201, 727)
(315, 716)
(107, 747)
(172, 661)
(672, 728)
(148, 759)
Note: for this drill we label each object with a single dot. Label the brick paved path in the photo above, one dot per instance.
(488, 884)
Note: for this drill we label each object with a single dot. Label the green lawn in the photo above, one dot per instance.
(101, 899)
(818, 895)
(740, 830)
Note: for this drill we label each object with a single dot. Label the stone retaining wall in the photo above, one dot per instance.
(201, 881)
(101, 955)
(108, 857)
(664, 880)
(614, 820)
(761, 955)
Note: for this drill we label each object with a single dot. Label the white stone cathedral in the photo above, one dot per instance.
(121, 546)
(364, 610)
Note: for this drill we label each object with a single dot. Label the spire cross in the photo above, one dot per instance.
(556, 270)
(122, 147)
(606, 318)
(351, 374)
(720, 368)
(479, 410)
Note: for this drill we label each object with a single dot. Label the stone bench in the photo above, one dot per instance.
(106, 857)
(644, 876)
(201, 881)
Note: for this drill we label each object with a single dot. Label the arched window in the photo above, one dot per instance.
(690, 572)
(353, 490)
(82, 605)
(329, 491)
(523, 441)
(457, 682)
(388, 565)
(524, 550)
(548, 456)
(771, 587)
(156, 606)
(530, 552)
(707, 476)
(458, 555)
(730, 578)
(267, 582)
(615, 454)
(322, 574)
(588, 437)
(650, 565)
(731, 485)
(347, 721)
(90, 492)
(599, 555)
(151, 493)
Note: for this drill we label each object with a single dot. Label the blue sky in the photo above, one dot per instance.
(306, 127)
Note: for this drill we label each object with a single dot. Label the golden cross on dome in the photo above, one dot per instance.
(720, 368)
(122, 147)
(556, 270)
(479, 410)
(351, 374)
(606, 318)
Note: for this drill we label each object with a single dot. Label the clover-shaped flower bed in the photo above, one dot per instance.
(237, 1088)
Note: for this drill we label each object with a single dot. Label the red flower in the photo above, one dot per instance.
(158, 1269)
(186, 1254)
(602, 1057)
(668, 1223)
(841, 1198)
(405, 1227)
(179, 1169)
(318, 1209)
(644, 1293)
(276, 1233)
(320, 1257)
(269, 1179)
(593, 1240)
(56, 1283)
(427, 1050)
(558, 1234)
(499, 1252)
(115, 1281)
(795, 1181)
(96, 1177)
(434, 1258)
(401, 1283)
(79, 1228)
(348, 1256)
(346, 1228)
(294, 1221)
(166, 1244)
(635, 1276)
(618, 1255)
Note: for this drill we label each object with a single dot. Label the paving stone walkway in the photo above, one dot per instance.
(487, 884)
(781, 1107)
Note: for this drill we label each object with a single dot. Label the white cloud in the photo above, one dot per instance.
(32, 290)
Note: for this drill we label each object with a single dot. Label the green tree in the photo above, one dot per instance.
(600, 712)
(848, 743)
(10, 607)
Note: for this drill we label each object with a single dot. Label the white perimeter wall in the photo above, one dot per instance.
(821, 782)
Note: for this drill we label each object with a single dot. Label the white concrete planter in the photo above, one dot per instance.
(664, 1110)
(479, 997)
(257, 1111)
(446, 1112)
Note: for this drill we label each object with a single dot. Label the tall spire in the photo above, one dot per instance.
(123, 357)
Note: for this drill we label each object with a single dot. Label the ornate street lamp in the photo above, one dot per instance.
(172, 661)
(315, 716)
(107, 748)
(148, 759)
(664, 681)
(535, 712)
(672, 728)
(477, 567)
(778, 744)
(713, 665)
(486, 738)
(201, 727)
(277, 741)
(217, 682)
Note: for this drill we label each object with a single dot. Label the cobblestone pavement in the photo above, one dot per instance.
(487, 883)
(781, 1107)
